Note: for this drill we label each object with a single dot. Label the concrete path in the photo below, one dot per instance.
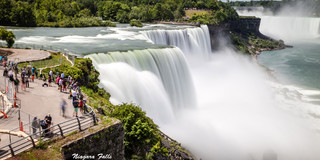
(25, 55)
(37, 101)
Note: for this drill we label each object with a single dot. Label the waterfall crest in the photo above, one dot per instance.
(290, 28)
(190, 40)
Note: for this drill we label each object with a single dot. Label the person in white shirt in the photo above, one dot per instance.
(62, 75)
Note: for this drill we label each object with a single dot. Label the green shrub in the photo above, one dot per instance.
(140, 131)
(7, 36)
(136, 23)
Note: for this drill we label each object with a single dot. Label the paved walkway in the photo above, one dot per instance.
(37, 101)
(25, 55)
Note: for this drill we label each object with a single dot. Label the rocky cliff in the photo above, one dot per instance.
(244, 35)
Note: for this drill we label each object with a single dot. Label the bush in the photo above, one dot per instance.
(141, 134)
(136, 23)
(7, 36)
(79, 22)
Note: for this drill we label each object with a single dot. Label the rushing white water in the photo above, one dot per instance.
(190, 41)
(157, 79)
(237, 114)
(290, 29)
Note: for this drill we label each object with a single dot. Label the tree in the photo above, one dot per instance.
(22, 14)
(7, 36)
(179, 13)
(5, 12)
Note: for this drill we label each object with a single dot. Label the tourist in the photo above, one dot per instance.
(32, 77)
(16, 84)
(36, 72)
(28, 72)
(10, 74)
(35, 125)
(5, 72)
(32, 70)
(58, 79)
(23, 83)
(4, 63)
(27, 82)
(74, 95)
(23, 73)
(15, 69)
(63, 107)
(64, 85)
(60, 84)
(49, 80)
(44, 80)
(48, 119)
(81, 104)
(75, 106)
(62, 75)
(51, 73)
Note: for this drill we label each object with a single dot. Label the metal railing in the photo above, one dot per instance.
(8, 89)
(61, 129)
(70, 55)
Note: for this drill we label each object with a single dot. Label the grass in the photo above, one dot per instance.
(190, 13)
(55, 59)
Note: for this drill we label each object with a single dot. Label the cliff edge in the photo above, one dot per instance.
(244, 35)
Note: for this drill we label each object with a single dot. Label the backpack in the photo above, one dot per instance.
(43, 123)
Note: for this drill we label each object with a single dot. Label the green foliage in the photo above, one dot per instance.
(41, 144)
(140, 131)
(221, 12)
(5, 11)
(264, 43)
(162, 12)
(87, 13)
(82, 71)
(136, 23)
(7, 36)
(204, 19)
(55, 59)
(79, 22)
(239, 44)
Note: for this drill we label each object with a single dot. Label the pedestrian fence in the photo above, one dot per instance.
(56, 130)
(7, 95)
(69, 54)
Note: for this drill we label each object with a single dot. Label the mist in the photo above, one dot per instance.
(297, 9)
(238, 116)
(292, 23)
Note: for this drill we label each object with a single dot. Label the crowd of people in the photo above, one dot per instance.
(29, 74)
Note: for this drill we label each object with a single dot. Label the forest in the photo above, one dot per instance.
(86, 13)
(312, 7)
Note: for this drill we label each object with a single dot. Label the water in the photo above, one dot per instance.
(173, 89)
(219, 105)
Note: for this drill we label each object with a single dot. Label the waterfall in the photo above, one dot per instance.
(155, 78)
(190, 40)
(290, 29)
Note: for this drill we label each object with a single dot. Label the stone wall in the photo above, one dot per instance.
(105, 143)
